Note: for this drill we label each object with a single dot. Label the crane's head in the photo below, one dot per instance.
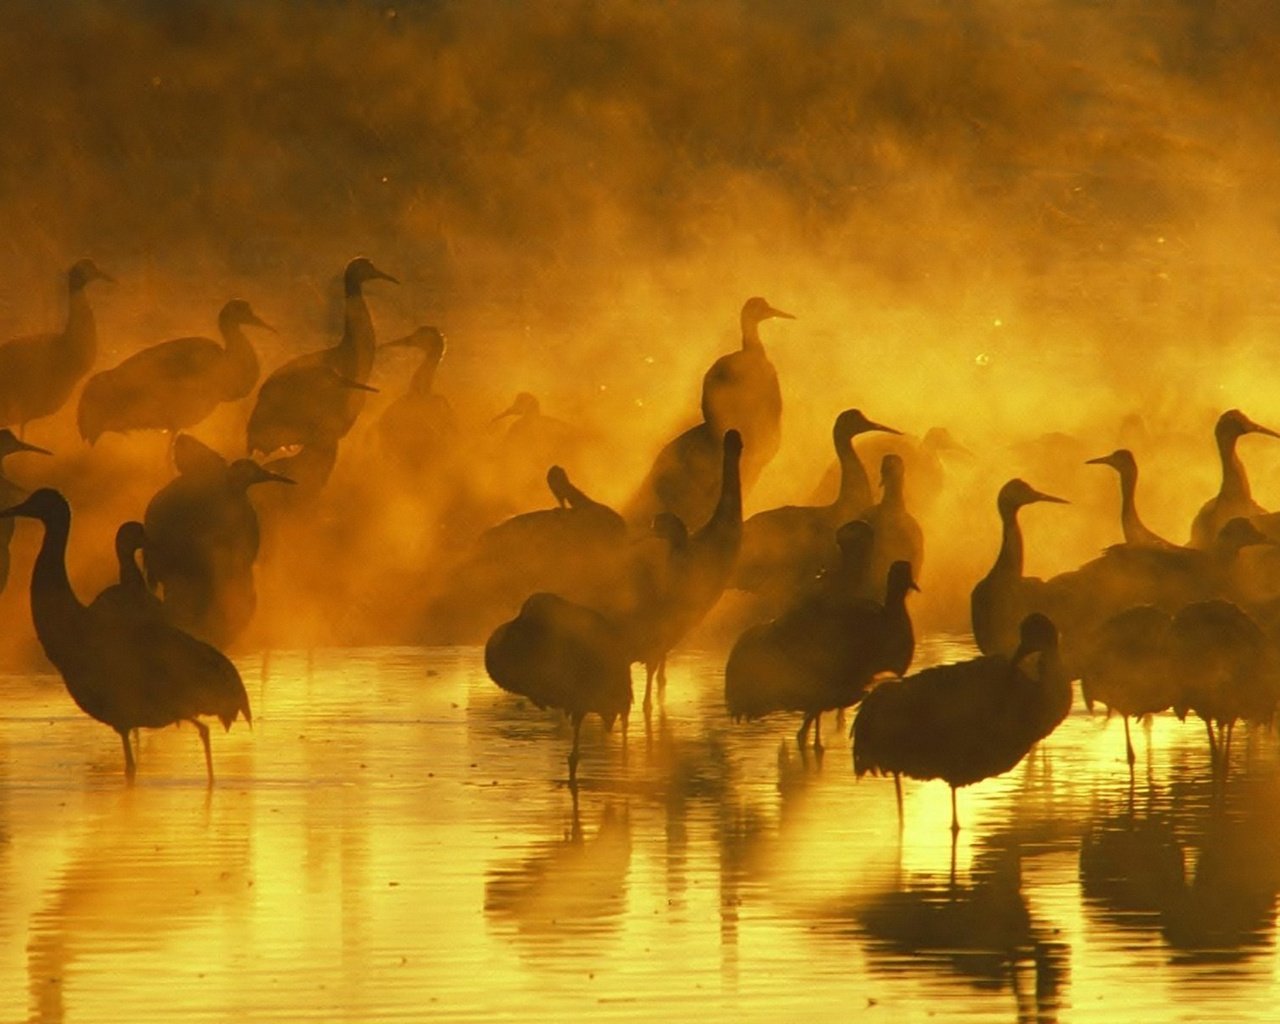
(854, 539)
(1233, 423)
(1036, 635)
(1017, 493)
(1239, 533)
(428, 339)
(1121, 460)
(732, 443)
(892, 471)
(670, 527)
(130, 537)
(45, 504)
(244, 473)
(559, 485)
(524, 405)
(850, 423)
(940, 439)
(238, 312)
(756, 309)
(899, 581)
(10, 444)
(83, 271)
(360, 270)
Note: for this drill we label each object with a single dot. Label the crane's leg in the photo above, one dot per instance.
(1213, 745)
(802, 734)
(1226, 747)
(817, 733)
(955, 821)
(649, 668)
(130, 767)
(203, 730)
(662, 676)
(897, 790)
(573, 754)
(1128, 745)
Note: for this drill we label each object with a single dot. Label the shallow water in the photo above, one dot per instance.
(395, 839)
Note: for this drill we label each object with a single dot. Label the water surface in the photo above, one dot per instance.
(395, 840)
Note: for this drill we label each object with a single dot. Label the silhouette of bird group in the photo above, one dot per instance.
(566, 598)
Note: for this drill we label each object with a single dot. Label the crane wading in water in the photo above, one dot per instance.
(126, 673)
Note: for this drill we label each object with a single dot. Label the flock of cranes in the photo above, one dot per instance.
(567, 598)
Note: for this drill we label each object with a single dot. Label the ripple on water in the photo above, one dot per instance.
(395, 839)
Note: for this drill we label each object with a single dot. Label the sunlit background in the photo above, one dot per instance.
(1049, 227)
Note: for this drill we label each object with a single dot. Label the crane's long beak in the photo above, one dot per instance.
(1258, 428)
(779, 313)
(267, 476)
(1041, 496)
(882, 428)
(355, 385)
(505, 413)
(1101, 460)
(384, 276)
(19, 509)
(408, 341)
(24, 447)
(258, 322)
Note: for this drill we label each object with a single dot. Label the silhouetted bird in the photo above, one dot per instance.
(1224, 670)
(699, 570)
(127, 673)
(417, 431)
(898, 536)
(783, 548)
(1234, 497)
(39, 372)
(821, 654)
(10, 494)
(304, 408)
(1134, 530)
(131, 597)
(926, 472)
(576, 549)
(966, 721)
(1127, 667)
(1004, 597)
(530, 441)
(292, 393)
(562, 655)
(202, 540)
(176, 384)
(739, 391)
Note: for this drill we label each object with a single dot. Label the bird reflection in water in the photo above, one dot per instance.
(565, 896)
(982, 930)
(1201, 869)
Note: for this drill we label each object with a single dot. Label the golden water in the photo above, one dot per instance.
(395, 840)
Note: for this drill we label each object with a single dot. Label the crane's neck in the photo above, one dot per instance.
(855, 485)
(728, 512)
(1009, 560)
(424, 377)
(1235, 484)
(894, 496)
(130, 574)
(355, 350)
(55, 609)
(241, 364)
(751, 336)
(1130, 523)
(80, 338)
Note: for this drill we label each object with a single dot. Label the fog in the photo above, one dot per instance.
(1013, 220)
